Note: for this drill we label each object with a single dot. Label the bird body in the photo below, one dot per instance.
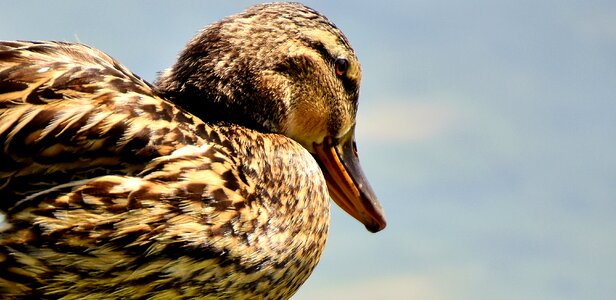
(112, 187)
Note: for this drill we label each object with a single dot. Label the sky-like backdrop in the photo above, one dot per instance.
(487, 128)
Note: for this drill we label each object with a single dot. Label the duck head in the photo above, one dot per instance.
(282, 68)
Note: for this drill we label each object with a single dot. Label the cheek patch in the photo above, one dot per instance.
(307, 123)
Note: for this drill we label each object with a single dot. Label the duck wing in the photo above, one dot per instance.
(107, 190)
(70, 112)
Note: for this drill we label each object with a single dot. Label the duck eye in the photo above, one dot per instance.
(341, 65)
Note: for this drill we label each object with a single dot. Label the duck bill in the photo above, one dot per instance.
(346, 181)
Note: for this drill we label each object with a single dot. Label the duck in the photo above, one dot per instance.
(214, 182)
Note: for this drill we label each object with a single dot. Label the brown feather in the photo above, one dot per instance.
(113, 188)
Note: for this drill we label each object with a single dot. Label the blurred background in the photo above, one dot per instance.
(487, 128)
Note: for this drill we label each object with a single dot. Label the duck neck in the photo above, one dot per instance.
(288, 205)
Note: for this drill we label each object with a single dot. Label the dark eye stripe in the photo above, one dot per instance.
(349, 84)
(316, 45)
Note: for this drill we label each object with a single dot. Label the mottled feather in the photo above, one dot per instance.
(135, 196)
(70, 112)
(209, 184)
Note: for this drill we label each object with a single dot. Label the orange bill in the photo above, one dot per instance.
(346, 181)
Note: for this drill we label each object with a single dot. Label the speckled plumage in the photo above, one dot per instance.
(204, 186)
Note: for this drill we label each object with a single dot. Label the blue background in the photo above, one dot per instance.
(487, 128)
